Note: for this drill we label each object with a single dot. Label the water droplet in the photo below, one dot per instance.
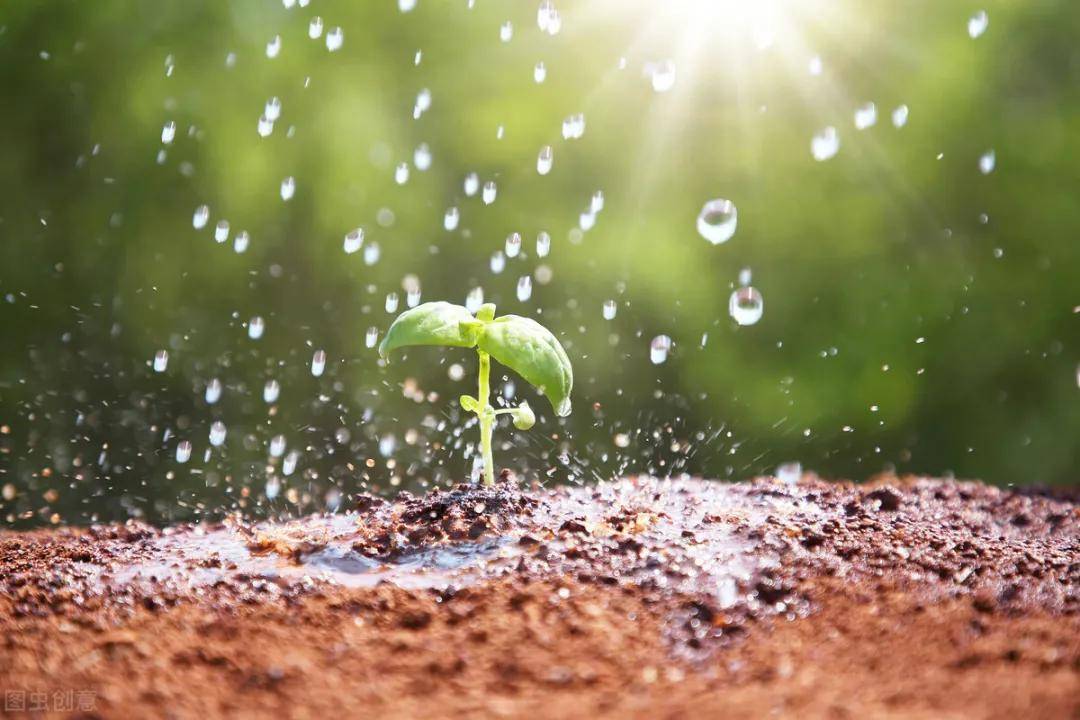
(315, 27)
(490, 190)
(411, 285)
(506, 31)
(610, 309)
(717, 221)
(900, 116)
(513, 244)
(746, 306)
(524, 288)
(201, 217)
(271, 391)
(221, 231)
(539, 72)
(498, 262)
(288, 465)
(265, 127)
(789, 473)
(213, 391)
(288, 188)
(354, 240)
(406, 5)
(865, 116)
(277, 446)
(273, 48)
(391, 302)
(371, 337)
(183, 451)
(471, 184)
(745, 276)
(662, 74)
(543, 244)
(815, 65)
(621, 440)
(573, 126)
(401, 173)
(596, 202)
(544, 160)
(423, 100)
(161, 360)
(241, 242)
(987, 161)
(371, 253)
(335, 38)
(256, 326)
(217, 433)
(272, 111)
(977, 24)
(273, 487)
(422, 157)
(456, 372)
(168, 132)
(825, 144)
(474, 299)
(659, 348)
(451, 219)
(587, 220)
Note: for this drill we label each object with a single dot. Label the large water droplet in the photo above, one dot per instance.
(524, 288)
(265, 127)
(200, 217)
(318, 363)
(288, 465)
(391, 302)
(977, 24)
(315, 27)
(498, 262)
(217, 433)
(335, 38)
(221, 231)
(213, 391)
(610, 309)
(371, 253)
(272, 111)
(273, 487)
(371, 337)
(659, 348)
(825, 144)
(573, 126)
(256, 327)
(490, 191)
(241, 242)
(513, 244)
(277, 446)
(865, 116)
(471, 184)
(406, 5)
(718, 220)
(353, 241)
(271, 391)
(474, 299)
(422, 157)
(746, 306)
(183, 451)
(506, 31)
(161, 360)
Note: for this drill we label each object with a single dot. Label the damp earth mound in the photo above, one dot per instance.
(904, 597)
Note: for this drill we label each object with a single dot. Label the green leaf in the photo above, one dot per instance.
(432, 323)
(529, 349)
(523, 416)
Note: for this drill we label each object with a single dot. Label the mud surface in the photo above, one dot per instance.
(642, 598)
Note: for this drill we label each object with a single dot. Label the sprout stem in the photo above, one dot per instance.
(487, 417)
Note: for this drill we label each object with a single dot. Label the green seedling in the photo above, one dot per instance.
(522, 344)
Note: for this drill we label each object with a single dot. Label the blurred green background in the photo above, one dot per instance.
(919, 315)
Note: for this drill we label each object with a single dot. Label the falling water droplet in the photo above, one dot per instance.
(596, 202)
(266, 126)
(506, 31)
(543, 244)
(815, 65)
(277, 446)
(335, 38)
(183, 451)
(513, 244)
(662, 74)
(221, 231)
(987, 161)
(498, 262)
(587, 220)
(825, 144)
(288, 465)
(745, 276)
(524, 288)
(539, 72)
(273, 487)
(201, 217)
(422, 157)
(411, 285)
(865, 116)
(900, 116)
(474, 299)
(391, 302)
(423, 100)
(406, 5)
(354, 240)
(161, 360)
(315, 27)
(241, 242)
(471, 184)
(610, 309)
(451, 219)
(746, 306)
(271, 391)
(217, 433)
(401, 173)
(273, 48)
(256, 326)
(213, 391)
(272, 111)
(977, 24)
(168, 132)
(789, 473)
(371, 336)
(717, 221)
(288, 188)
(318, 363)
(573, 126)
(545, 160)
(490, 190)
(371, 253)
(658, 349)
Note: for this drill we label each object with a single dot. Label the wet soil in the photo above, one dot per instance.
(910, 598)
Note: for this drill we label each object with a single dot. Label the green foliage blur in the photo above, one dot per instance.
(919, 315)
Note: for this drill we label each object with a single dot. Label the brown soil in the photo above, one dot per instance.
(906, 598)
